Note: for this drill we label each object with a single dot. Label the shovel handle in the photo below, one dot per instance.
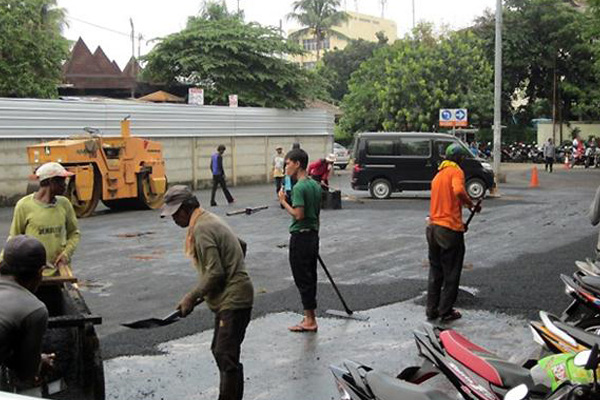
(473, 213)
(177, 313)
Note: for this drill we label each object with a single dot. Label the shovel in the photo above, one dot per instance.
(158, 322)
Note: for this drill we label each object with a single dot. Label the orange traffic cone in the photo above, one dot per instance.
(534, 178)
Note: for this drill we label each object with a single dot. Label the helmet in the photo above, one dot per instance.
(455, 149)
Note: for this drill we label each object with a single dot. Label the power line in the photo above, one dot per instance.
(99, 26)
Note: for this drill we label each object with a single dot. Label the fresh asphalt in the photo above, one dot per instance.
(131, 264)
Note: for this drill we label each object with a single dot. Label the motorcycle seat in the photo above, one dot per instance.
(591, 283)
(385, 387)
(482, 362)
(581, 336)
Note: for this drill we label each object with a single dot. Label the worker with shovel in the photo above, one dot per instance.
(304, 235)
(445, 235)
(224, 283)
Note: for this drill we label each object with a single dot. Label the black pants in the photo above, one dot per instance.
(220, 180)
(446, 255)
(278, 184)
(549, 163)
(304, 249)
(230, 329)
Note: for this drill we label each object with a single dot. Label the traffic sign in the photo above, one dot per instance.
(451, 117)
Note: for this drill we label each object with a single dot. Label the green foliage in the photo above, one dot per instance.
(224, 55)
(32, 48)
(404, 85)
(543, 39)
(318, 17)
(338, 65)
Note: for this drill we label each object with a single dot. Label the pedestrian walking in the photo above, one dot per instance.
(594, 215)
(49, 217)
(218, 173)
(278, 168)
(445, 235)
(305, 208)
(23, 318)
(223, 283)
(319, 170)
(549, 154)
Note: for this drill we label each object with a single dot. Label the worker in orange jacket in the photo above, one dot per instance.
(445, 235)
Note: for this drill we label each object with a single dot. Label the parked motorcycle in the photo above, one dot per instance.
(584, 310)
(555, 336)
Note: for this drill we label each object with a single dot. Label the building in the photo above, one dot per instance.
(94, 74)
(358, 26)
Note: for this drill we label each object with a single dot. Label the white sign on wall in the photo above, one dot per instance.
(196, 96)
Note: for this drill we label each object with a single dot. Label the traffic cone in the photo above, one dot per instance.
(534, 178)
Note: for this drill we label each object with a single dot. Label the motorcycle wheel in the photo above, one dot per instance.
(591, 325)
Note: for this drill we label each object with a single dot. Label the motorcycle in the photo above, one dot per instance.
(584, 310)
(558, 337)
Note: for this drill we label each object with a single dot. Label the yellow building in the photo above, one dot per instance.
(358, 26)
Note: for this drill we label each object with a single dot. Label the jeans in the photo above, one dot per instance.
(549, 163)
(446, 255)
(230, 329)
(220, 180)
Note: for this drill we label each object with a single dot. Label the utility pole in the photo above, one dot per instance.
(356, 5)
(414, 20)
(383, 3)
(132, 38)
(238, 2)
(140, 38)
(498, 92)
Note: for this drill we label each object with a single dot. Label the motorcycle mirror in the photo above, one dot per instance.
(517, 393)
(593, 360)
(582, 358)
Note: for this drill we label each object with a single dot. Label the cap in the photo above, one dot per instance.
(52, 170)
(24, 254)
(330, 158)
(278, 147)
(174, 197)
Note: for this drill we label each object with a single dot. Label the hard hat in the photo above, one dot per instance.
(455, 149)
(52, 170)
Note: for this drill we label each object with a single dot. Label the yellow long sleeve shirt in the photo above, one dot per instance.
(55, 225)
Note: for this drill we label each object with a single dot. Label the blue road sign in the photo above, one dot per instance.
(446, 115)
(461, 114)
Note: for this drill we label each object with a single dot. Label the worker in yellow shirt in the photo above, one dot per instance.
(49, 216)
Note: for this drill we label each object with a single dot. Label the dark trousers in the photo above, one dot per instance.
(549, 163)
(446, 255)
(220, 180)
(278, 184)
(304, 249)
(230, 329)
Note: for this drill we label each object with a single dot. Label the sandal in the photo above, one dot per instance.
(302, 329)
(451, 316)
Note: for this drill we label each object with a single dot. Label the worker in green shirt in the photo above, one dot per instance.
(223, 283)
(49, 217)
(304, 235)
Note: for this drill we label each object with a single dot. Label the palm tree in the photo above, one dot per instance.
(318, 17)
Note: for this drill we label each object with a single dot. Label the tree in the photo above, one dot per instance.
(404, 85)
(318, 18)
(338, 65)
(545, 49)
(32, 48)
(224, 55)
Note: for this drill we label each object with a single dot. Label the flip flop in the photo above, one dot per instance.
(301, 329)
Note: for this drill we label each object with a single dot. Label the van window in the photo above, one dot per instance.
(416, 147)
(441, 147)
(380, 147)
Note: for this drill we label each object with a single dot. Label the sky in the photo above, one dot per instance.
(106, 22)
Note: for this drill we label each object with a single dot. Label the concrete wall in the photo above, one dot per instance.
(587, 129)
(246, 160)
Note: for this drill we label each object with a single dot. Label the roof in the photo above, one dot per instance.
(323, 105)
(162, 97)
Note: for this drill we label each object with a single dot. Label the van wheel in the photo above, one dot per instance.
(380, 189)
(476, 188)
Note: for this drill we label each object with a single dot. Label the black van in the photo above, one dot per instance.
(387, 162)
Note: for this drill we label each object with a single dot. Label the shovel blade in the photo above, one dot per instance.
(344, 314)
(148, 323)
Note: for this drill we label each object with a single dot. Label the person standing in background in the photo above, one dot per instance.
(278, 168)
(549, 154)
(216, 167)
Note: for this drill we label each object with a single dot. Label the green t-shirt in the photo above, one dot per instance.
(306, 193)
